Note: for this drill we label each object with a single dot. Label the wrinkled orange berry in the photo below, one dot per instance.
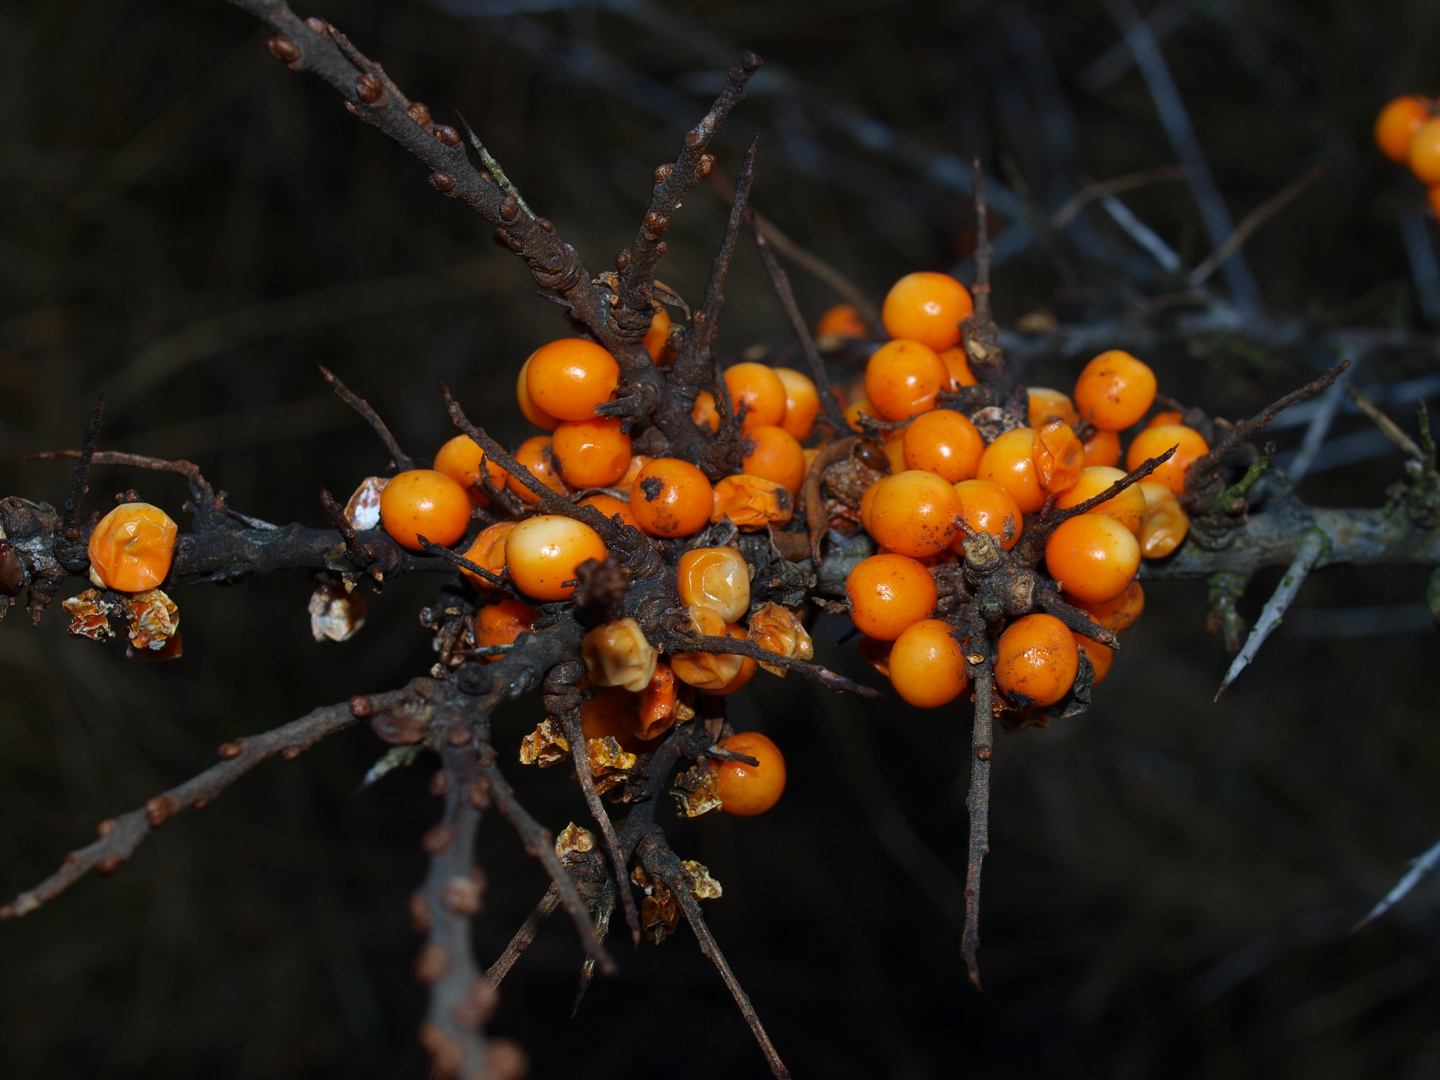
(751, 502)
(423, 502)
(570, 377)
(1114, 390)
(927, 307)
(656, 714)
(715, 578)
(747, 790)
(1154, 441)
(927, 664)
(747, 666)
(671, 497)
(1047, 404)
(132, 546)
(591, 453)
(703, 670)
(944, 442)
(902, 379)
(915, 513)
(777, 629)
(1059, 457)
(888, 593)
(1036, 659)
(1165, 524)
(488, 551)
(618, 654)
(1009, 461)
(1093, 557)
(543, 551)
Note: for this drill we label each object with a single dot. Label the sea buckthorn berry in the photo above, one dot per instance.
(802, 402)
(751, 502)
(861, 406)
(747, 666)
(757, 390)
(1397, 124)
(501, 623)
(1059, 457)
(1102, 448)
(1127, 508)
(703, 670)
(1047, 405)
(944, 442)
(1114, 390)
(532, 412)
(591, 453)
(1093, 557)
(1119, 613)
(888, 593)
(537, 454)
(1009, 462)
(610, 506)
(488, 551)
(1166, 416)
(927, 664)
(543, 551)
(1165, 523)
(618, 654)
(1100, 656)
(133, 545)
(671, 497)
(637, 462)
(902, 379)
(1154, 441)
(893, 444)
(958, 364)
(774, 454)
(927, 307)
(423, 502)
(987, 507)
(610, 715)
(658, 336)
(876, 653)
(1036, 659)
(656, 714)
(867, 501)
(747, 790)
(915, 513)
(840, 322)
(777, 629)
(1424, 153)
(704, 413)
(569, 377)
(716, 578)
(461, 459)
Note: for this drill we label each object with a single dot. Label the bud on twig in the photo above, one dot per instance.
(283, 49)
(370, 90)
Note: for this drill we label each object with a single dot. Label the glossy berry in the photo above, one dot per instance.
(716, 578)
(927, 664)
(757, 390)
(944, 442)
(1166, 416)
(1397, 124)
(1059, 457)
(532, 412)
(888, 593)
(1100, 656)
(802, 403)
(748, 666)
(537, 455)
(1009, 461)
(671, 497)
(927, 307)
(487, 551)
(704, 670)
(610, 714)
(656, 713)
(751, 502)
(543, 551)
(1165, 523)
(570, 377)
(637, 462)
(611, 506)
(1114, 390)
(893, 445)
(591, 453)
(915, 513)
(658, 336)
(1047, 405)
(958, 364)
(1036, 659)
(987, 507)
(1102, 448)
(1118, 613)
(747, 790)
(132, 546)
(461, 459)
(1093, 557)
(1127, 508)
(1154, 441)
(704, 413)
(859, 407)
(774, 454)
(423, 502)
(840, 322)
(1424, 152)
(903, 377)
(501, 623)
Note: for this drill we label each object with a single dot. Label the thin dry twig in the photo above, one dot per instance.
(524, 936)
(402, 460)
(1388, 427)
(805, 668)
(977, 801)
(1101, 188)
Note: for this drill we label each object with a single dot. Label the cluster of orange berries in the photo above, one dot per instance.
(1407, 131)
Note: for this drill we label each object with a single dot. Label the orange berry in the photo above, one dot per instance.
(1165, 523)
(867, 501)
(501, 623)
(1093, 557)
(747, 790)
(637, 462)
(671, 497)
(1118, 613)
(543, 551)
(1059, 457)
(987, 507)
(927, 307)
(1102, 448)
(656, 714)
(779, 630)
(537, 454)
(1424, 152)
(488, 551)
(902, 379)
(1127, 508)
(569, 377)
(774, 454)
(1154, 441)
(1047, 405)
(888, 593)
(461, 459)
(915, 513)
(958, 364)
(610, 506)
(704, 412)
(747, 666)
(927, 664)
(860, 406)
(751, 502)
(1009, 462)
(1114, 390)
(617, 653)
(703, 670)
(423, 502)
(1100, 656)
(758, 390)
(1036, 659)
(802, 402)
(841, 321)
(132, 546)
(609, 714)
(944, 442)
(893, 444)
(716, 578)
(658, 336)
(1168, 416)
(1397, 124)
(591, 453)
(532, 412)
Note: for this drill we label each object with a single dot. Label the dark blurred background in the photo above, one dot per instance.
(190, 228)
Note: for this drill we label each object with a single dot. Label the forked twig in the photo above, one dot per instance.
(402, 460)
(524, 936)
(1310, 550)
